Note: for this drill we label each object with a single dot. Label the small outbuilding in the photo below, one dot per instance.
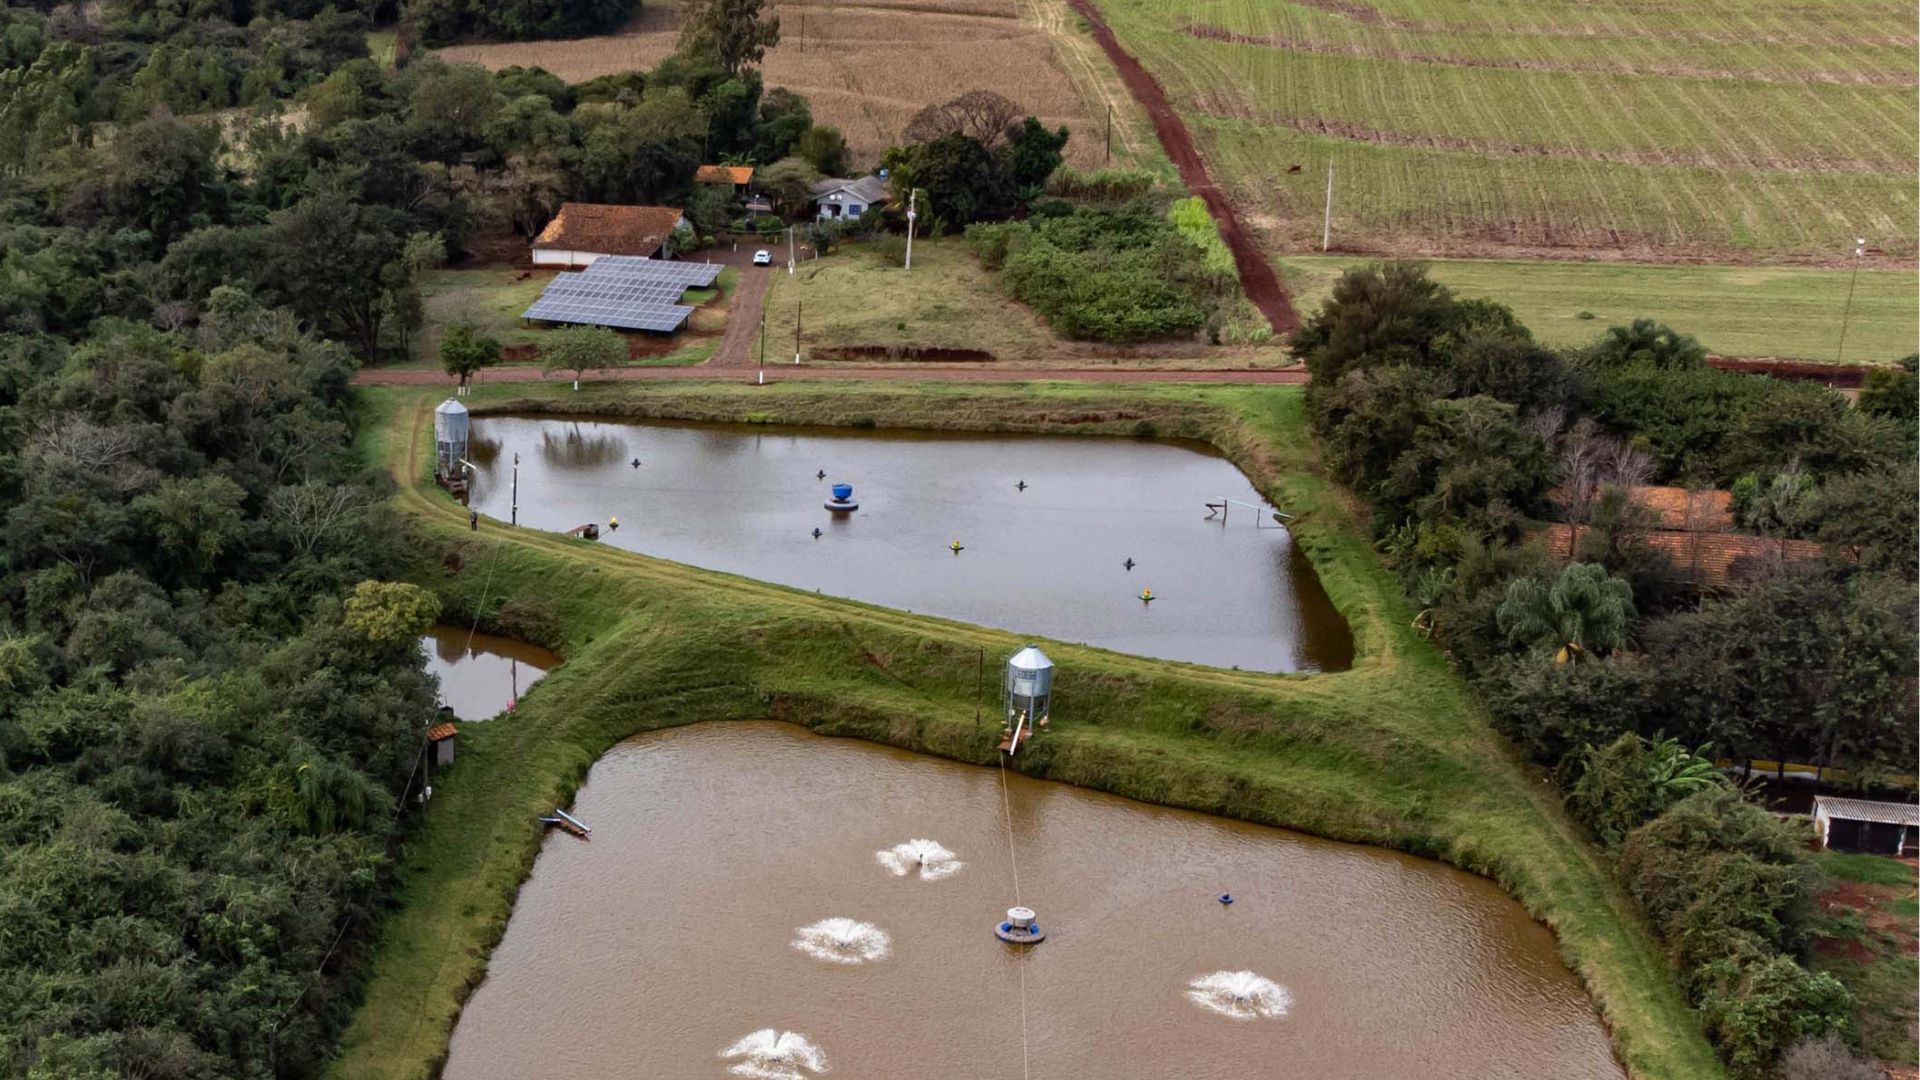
(440, 738)
(849, 198)
(740, 177)
(582, 232)
(1876, 828)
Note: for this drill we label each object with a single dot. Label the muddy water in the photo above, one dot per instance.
(1047, 560)
(668, 937)
(481, 674)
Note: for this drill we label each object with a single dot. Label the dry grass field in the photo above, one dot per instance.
(867, 68)
(1695, 130)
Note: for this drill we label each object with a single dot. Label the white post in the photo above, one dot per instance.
(789, 250)
(1326, 221)
(514, 510)
(912, 200)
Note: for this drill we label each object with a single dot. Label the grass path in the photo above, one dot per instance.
(1392, 752)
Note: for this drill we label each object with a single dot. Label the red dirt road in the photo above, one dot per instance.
(1257, 278)
(791, 373)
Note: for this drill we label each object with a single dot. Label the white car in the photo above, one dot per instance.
(763, 257)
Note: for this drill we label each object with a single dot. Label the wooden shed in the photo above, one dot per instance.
(440, 737)
(1877, 828)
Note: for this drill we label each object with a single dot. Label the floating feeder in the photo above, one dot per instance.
(1021, 928)
(842, 501)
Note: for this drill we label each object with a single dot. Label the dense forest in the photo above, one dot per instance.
(212, 701)
(1609, 662)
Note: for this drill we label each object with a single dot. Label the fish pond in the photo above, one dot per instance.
(1056, 536)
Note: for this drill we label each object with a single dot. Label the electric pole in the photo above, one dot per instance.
(913, 196)
(789, 250)
(796, 329)
(1109, 133)
(1859, 253)
(763, 344)
(1326, 222)
(514, 519)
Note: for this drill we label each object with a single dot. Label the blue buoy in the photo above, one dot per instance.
(842, 498)
(1226, 898)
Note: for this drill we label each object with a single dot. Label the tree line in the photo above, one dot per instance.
(1608, 663)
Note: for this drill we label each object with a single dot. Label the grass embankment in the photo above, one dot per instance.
(1867, 941)
(1789, 312)
(1739, 127)
(1392, 752)
(494, 296)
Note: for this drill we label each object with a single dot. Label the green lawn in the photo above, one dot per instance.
(1734, 311)
(1392, 752)
(1870, 950)
(862, 296)
(1755, 127)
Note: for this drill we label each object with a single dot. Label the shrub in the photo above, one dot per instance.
(1714, 864)
(1552, 710)
(1826, 1058)
(1104, 185)
(1756, 1009)
(1097, 275)
(1630, 781)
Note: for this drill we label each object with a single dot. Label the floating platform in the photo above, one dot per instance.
(1010, 743)
(839, 507)
(564, 825)
(1020, 928)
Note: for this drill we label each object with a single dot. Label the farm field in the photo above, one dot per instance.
(1738, 130)
(1787, 312)
(868, 68)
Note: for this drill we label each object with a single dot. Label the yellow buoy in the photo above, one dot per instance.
(957, 548)
(1146, 595)
(613, 522)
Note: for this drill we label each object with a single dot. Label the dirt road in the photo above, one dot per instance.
(1257, 278)
(792, 373)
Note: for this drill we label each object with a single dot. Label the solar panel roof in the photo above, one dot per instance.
(625, 292)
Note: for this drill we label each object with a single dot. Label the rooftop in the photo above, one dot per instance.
(606, 229)
(441, 731)
(868, 189)
(723, 174)
(1678, 507)
(1714, 558)
(1888, 813)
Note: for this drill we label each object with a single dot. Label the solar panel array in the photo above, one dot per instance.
(626, 292)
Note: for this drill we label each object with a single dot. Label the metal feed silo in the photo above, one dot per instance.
(1028, 688)
(451, 429)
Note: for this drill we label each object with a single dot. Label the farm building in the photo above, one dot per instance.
(848, 198)
(582, 232)
(739, 176)
(1878, 828)
(440, 737)
(1695, 529)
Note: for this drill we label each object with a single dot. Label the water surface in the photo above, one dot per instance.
(481, 674)
(670, 936)
(1048, 559)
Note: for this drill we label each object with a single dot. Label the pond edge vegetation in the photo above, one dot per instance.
(1393, 753)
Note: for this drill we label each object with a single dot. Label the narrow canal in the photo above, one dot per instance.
(757, 900)
(1046, 526)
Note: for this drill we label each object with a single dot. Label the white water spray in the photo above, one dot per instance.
(843, 941)
(776, 1055)
(1240, 994)
(928, 858)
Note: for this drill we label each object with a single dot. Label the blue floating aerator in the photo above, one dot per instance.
(842, 498)
(1226, 898)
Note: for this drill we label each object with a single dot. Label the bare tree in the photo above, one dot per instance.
(978, 114)
(311, 515)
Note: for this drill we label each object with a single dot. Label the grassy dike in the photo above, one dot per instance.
(1392, 753)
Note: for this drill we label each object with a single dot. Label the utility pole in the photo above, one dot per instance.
(514, 519)
(1109, 133)
(1326, 222)
(1859, 253)
(913, 196)
(797, 306)
(789, 250)
(763, 344)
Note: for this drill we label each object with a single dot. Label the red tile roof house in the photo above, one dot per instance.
(740, 176)
(1695, 530)
(582, 232)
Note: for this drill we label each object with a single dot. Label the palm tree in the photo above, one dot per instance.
(1584, 612)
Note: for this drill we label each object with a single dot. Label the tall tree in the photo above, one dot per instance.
(736, 33)
(1584, 613)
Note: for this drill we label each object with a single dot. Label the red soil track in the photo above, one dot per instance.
(791, 373)
(1257, 278)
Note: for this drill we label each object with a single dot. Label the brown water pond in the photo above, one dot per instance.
(813, 904)
(1047, 559)
(481, 674)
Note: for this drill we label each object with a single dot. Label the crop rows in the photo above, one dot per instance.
(1741, 128)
